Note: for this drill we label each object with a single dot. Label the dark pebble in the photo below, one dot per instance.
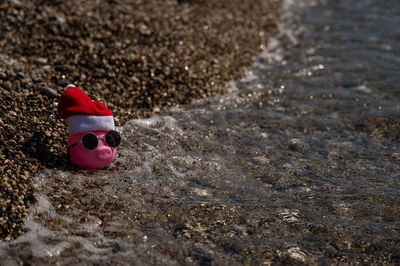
(3, 75)
(48, 91)
(7, 85)
(28, 85)
(298, 147)
(61, 68)
(62, 83)
(20, 75)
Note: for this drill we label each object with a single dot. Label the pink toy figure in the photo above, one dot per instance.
(93, 140)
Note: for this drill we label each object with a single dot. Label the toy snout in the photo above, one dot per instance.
(104, 153)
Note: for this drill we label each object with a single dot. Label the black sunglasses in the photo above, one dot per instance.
(90, 141)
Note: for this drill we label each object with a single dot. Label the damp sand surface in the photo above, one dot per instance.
(298, 164)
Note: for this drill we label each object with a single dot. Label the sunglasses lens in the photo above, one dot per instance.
(89, 141)
(112, 138)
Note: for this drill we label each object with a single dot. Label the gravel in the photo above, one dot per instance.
(138, 58)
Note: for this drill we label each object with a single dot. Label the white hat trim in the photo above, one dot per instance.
(82, 123)
(70, 85)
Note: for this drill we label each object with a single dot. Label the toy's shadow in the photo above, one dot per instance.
(37, 148)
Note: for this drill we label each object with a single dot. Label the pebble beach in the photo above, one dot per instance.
(291, 158)
(138, 58)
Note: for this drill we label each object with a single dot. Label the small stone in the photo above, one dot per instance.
(60, 68)
(298, 146)
(48, 91)
(3, 75)
(62, 83)
(28, 85)
(20, 75)
(7, 85)
(41, 60)
(396, 155)
(21, 139)
(144, 29)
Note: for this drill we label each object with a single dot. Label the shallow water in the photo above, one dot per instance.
(299, 163)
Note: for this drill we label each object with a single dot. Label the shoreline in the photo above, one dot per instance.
(138, 60)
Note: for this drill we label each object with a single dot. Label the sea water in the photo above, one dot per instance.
(298, 163)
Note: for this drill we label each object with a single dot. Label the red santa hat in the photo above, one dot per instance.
(83, 114)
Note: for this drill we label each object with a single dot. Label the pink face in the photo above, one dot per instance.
(101, 157)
